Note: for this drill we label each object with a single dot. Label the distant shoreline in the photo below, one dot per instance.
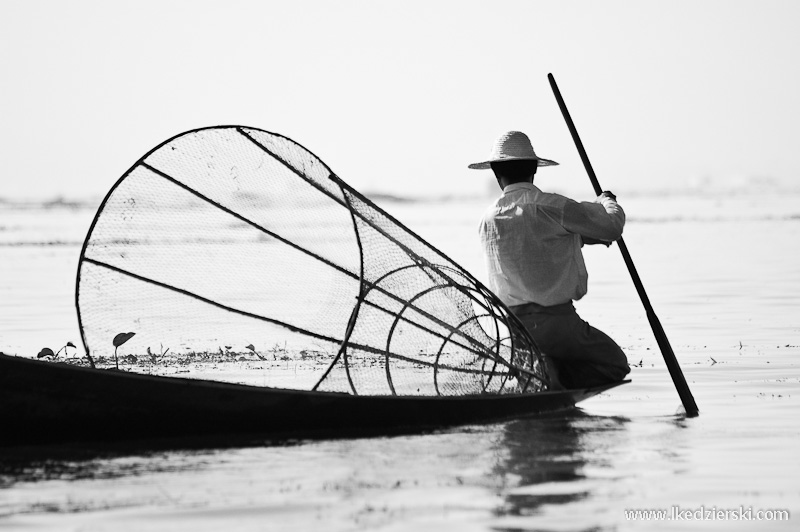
(735, 190)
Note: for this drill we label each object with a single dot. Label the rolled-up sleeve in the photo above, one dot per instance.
(601, 220)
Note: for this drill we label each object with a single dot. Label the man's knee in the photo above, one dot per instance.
(618, 371)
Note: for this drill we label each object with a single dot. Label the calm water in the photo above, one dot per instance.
(723, 277)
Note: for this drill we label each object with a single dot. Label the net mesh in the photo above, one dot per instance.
(235, 254)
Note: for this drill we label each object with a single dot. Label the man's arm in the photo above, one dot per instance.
(598, 222)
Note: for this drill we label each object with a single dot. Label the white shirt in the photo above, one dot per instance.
(532, 243)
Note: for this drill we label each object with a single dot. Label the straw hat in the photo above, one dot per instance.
(512, 146)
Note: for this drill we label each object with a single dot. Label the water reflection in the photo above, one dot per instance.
(14, 469)
(544, 459)
(114, 460)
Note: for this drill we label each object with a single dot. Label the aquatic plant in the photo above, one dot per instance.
(154, 357)
(227, 352)
(278, 349)
(47, 352)
(68, 344)
(253, 350)
(120, 339)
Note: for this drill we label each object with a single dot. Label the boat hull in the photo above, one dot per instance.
(47, 403)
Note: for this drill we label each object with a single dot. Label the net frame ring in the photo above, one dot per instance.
(481, 349)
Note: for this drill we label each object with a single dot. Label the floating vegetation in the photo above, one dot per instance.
(153, 357)
(120, 339)
(46, 352)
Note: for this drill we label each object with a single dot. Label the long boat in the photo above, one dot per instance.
(230, 234)
(46, 402)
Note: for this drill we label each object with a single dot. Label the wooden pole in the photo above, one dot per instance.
(674, 368)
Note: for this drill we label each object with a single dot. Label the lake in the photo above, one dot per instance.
(723, 275)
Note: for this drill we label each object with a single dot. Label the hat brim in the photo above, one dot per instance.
(488, 164)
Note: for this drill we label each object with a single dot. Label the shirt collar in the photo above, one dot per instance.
(520, 186)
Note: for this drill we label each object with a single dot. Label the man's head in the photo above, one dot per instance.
(513, 159)
(520, 171)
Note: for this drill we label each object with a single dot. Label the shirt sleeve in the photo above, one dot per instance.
(601, 220)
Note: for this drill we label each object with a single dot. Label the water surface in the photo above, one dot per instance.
(722, 275)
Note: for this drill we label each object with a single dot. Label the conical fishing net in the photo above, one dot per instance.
(235, 254)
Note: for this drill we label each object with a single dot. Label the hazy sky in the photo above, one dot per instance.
(400, 96)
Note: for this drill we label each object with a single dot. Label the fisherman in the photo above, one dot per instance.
(532, 244)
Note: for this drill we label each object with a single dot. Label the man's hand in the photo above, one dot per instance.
(609, 194)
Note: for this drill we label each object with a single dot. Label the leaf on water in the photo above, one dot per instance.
(121, 338)
(45, 352)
